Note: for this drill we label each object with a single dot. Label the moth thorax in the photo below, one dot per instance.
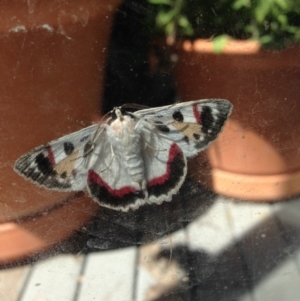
(121, 127)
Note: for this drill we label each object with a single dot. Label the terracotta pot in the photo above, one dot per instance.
(257, 155)
(52, 58)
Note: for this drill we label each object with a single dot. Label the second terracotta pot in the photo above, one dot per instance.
(257, 155)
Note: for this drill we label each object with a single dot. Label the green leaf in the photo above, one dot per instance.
(262, 10)
(266, 39)
(170, 28)
(219, 43)
(283, 4)
(283, 20)
(241, 3)
(183, 21)
(164, 17)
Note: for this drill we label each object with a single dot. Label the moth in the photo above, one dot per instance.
(134, 157)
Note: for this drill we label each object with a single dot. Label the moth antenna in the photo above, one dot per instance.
(80, 122)
(98, 133)
(134, 106)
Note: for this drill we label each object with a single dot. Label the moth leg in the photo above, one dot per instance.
(88, 148)
(98, 133)
(143, 186)
(90, 145)
(159, 150)
(163, 142)
(138, 123)
(148, 129)
(111, 160)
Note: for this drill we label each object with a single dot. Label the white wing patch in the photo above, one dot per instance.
(132, 159)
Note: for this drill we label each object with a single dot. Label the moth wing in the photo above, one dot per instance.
(166, 166)
(192, 125)
(110, 184)
(59, 164)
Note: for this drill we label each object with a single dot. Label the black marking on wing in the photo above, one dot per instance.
(162, 127)
(177, 115)
(68, 148)
(104, 197)
(40, 170)
(44, 164)
(84, 138)
(206, 119)
(63, 175)
(196, 136)
(212, 122)
(186, 139)
(87, 148)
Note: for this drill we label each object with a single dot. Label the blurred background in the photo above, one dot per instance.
(232, 231)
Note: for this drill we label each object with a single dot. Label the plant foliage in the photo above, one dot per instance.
(273, 23)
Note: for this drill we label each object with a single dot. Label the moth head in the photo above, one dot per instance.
(119, 113)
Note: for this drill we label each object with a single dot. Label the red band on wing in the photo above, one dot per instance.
(197, 114)
(93, 176)
(50, 155)
(174, 151)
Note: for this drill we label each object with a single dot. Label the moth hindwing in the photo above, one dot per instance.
(131, 159)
